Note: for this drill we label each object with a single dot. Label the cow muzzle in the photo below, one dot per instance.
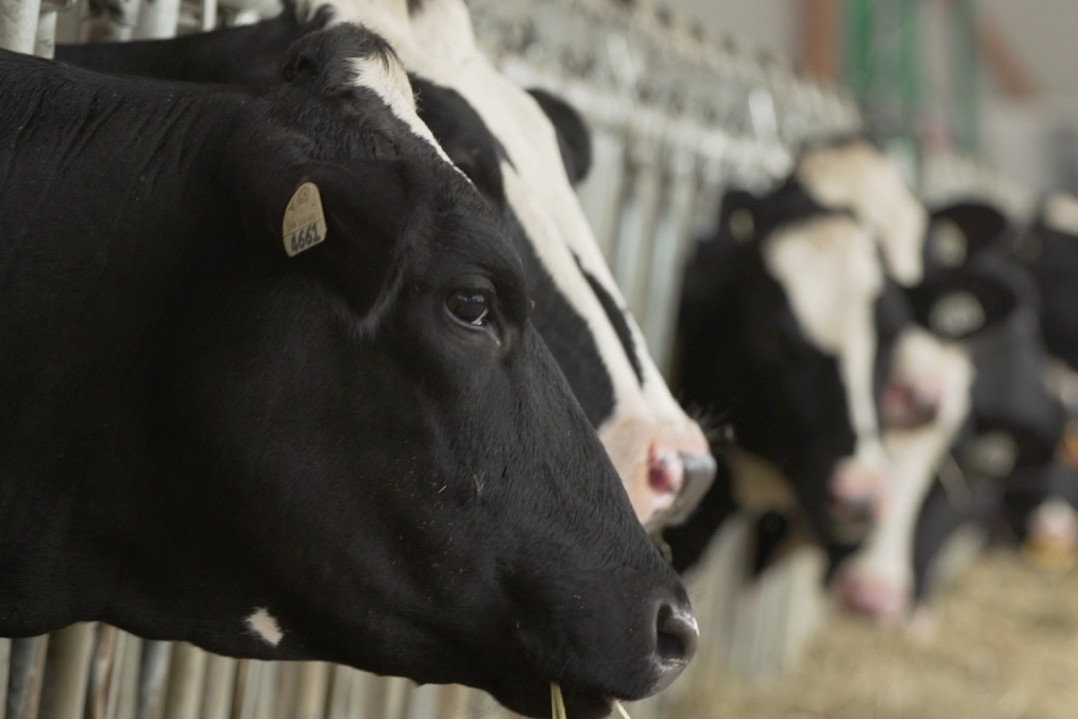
(857, 499)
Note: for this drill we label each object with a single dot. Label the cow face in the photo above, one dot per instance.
(509, 147)
(779, 331)
(975, 308)
(355, 447)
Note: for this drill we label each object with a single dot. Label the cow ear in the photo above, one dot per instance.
(463, 135)
(574, 137)
(961, 304)
(958, 233)
(342, 223)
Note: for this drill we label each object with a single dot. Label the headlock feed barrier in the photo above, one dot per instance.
(677, 115)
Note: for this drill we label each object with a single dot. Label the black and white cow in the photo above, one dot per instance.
(1002, 428)
(362, 453)
(523, 151)
(785, 327)
(919, 384)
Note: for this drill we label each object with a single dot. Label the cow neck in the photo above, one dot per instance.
(153, 157)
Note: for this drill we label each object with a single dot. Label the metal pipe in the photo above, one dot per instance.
(18, 24)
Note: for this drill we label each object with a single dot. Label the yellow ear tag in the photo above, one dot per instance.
(304, 222)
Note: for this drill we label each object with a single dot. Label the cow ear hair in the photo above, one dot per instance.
(325, 59)
(574, 136)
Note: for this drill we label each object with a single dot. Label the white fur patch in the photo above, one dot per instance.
(1061, 213)
(857, 176)
(832, 277)
(265, 626)
(914, 454)
(388, 79)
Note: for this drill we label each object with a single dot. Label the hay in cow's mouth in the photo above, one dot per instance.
(557, 704)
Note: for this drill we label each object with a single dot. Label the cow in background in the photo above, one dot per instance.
(785, 326)
(1002, 428)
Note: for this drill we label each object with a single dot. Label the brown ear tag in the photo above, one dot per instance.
(304, 222)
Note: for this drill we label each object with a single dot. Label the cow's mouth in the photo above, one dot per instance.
(533, 700)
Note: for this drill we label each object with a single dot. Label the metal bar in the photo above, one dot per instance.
(5, 665)
(186, 682)
(219, 687)
(130, 663)
(18, 24)
(45, 37)
(313, 690)
(103, 669)
(67, 671)
(24, 684)
(209, 15)
(153, 679)
(157, 19)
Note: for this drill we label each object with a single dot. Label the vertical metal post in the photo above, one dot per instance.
(18, 24)
(67, 669)
(24, 683)
(157, 19)
(45, 37)
(5, 665)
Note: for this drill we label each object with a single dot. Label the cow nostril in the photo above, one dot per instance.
(677, 636)
(699, 473)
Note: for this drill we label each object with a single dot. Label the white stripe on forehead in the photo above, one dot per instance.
(1061, 213)
(832, 277)
(856, 176)
(386, 77)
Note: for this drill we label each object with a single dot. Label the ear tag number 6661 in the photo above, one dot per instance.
(304, 222)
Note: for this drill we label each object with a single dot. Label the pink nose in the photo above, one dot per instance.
(860, 593)
(1053, 535)
(857, 498)
(679, 480)
(909, 405)
(666, 473)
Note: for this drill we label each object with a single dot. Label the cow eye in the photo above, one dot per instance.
(472, 307)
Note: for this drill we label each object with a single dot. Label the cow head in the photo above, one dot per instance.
(353, 446)
(782, 326)
(509, 145)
